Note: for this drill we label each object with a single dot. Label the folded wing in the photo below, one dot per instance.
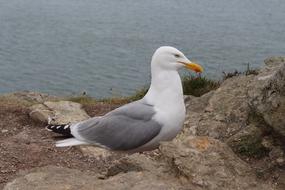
(125, 128)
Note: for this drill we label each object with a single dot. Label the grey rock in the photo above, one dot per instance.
(61, 112)
(40, 112)
(223, 112)
(195, 107)
(197, 104)
(209, 164)
(50, 178)
(267, 94)
(248, 142)
(199, 163)
(277, 156)
(96, 152)
(228, 110)
(137, 162)
(4, 131)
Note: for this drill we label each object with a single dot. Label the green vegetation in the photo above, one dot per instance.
(197, 86)
(251, 147)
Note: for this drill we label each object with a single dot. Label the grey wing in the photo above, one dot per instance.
(125, 128)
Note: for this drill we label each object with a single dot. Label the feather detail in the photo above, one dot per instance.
(60, 129)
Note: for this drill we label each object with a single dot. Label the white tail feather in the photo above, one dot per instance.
(69, 142)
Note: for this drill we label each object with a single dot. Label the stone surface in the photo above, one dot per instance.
(267, 93)
(93, 151)
(199, 163)
(248, 142)
(61, 112)
(51, 178)
(209, 164)
(218, 114)
(40, 112)
(195, 107)
(227, 110)
(277, 156)
(221, 113)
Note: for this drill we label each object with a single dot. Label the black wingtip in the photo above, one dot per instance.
(60, 129)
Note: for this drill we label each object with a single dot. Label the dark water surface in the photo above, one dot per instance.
(65, 47)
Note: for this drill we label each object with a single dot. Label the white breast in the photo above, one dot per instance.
(171, 114)
(167, 98)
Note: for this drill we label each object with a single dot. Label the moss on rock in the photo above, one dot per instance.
(248, 142)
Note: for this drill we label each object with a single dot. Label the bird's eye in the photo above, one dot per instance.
(177, 55)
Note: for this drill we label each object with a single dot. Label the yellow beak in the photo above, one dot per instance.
(193, 66)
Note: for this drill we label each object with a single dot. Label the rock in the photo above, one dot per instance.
(198, 163)
(224, 112)
(241, 105)
(96, 152)
(135, 162)
(209, 164)
(61, 112)
(277, 156)
(195, 107)
(40, 112)
(267, 94)
(4, 131)
(197, 104)
(50, 178)
(248, 142)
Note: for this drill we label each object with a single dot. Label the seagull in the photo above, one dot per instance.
(140, 125)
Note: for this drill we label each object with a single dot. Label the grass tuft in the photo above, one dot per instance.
(197, 86)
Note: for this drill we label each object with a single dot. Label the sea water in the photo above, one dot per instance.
(65, 47)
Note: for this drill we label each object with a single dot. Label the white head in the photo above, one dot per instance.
(170, 58)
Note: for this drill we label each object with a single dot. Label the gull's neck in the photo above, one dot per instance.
(165, 88)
